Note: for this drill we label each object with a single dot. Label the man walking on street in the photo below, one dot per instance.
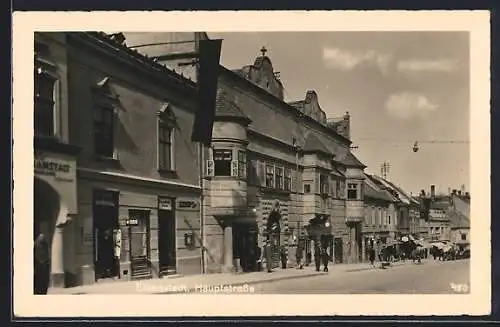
(41, 264)
(317, 255)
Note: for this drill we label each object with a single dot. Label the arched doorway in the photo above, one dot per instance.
(46, 210)
(273, 229)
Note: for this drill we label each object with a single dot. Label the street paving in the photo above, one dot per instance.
(430, 277)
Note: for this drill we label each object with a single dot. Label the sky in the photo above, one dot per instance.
(399, 88)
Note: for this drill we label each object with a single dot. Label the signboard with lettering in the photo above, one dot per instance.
(53, 167)
(164, 203)
(132, 221)
(187, 205)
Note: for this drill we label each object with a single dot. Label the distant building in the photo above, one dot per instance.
(381, 217)
(459, 215)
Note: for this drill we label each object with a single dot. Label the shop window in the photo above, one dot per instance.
(278, 176)
(307, 188)
(222, 162)
(165, 145)
(269, 176)
(45, 101)
(242, 164)
(288, 179)
(104, 131)
(352, 191)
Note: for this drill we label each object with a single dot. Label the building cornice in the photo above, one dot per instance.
(137, 179)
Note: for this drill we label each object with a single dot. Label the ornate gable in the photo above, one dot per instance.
(312, 107)
(262, 73)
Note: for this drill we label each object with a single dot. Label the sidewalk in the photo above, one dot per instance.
(195, 283)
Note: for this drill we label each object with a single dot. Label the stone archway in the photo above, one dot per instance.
(50, 216)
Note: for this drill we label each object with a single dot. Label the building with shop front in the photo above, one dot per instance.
(381, 217)
(117, 179)
(276, 172)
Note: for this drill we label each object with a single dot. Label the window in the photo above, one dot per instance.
(165, 137)
(464, 237)
(278, 178)
(374, 222)
(222, 162)
(104, 129)
(288, 179)
(269, 176)
(389, 219)
(307, 188)
(242, 164)
(44, 103)
(352, 191)
(379, 216)
(323, 184)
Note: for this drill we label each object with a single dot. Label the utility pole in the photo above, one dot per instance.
(384, 170)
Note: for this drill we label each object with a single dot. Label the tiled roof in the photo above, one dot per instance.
(134, 54)
(225, 108)
(314, 144)
(373, 193)
(351, 161)
(458, 220)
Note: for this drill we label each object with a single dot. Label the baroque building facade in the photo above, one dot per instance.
(276, 172)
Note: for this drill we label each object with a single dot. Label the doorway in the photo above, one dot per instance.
(274, 232)
(105, 222)
(245, 246)
(339, 250)
(139, 235)
(166, 237)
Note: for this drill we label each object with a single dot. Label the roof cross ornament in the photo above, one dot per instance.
(263, 50)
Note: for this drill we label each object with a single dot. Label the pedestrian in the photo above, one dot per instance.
(317, 255)
(41, 267)
(324, 255)
(372, 256)
(299, 253)
(283, 256)
(258, 255)
(268, 256)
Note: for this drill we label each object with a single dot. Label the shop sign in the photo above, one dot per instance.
(164, 204)
(47, 166)
(187, 204)
(132, 222)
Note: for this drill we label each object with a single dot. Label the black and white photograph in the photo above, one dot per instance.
(228, 164)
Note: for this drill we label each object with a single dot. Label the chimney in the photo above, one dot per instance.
(433, 191)
(467, 195)
(459, 193)
(449, 190)
(422, 193)
(462, 189)
(454, 192)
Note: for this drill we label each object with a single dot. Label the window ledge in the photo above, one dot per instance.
(274, 190)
